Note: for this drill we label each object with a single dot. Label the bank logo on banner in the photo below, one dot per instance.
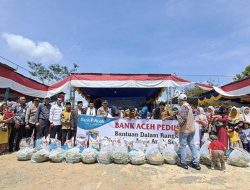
(133, 130)
(92, 122)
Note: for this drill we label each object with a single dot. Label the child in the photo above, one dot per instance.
(243, 138)
(217, 151)
(234, 137)
(246, 131)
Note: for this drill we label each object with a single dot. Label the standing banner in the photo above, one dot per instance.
(152, 131)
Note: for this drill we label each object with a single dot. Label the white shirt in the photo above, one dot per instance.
(79, 112)
(55, 114)
(197, 135)
(91, 111)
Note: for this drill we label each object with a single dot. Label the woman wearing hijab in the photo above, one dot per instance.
(234, 119)
(210, 118)
(3, 129)
(201, 119)
(221, 126)
(246, 114)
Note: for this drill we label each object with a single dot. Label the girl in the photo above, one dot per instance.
(234, 119)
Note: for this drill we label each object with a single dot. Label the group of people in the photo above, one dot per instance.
(19, 120)
(228, 128)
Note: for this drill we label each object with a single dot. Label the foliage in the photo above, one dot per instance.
(193, 92)
(244, 74)
(54, 72)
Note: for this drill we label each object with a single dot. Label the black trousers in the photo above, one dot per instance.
(29, 131)
(67, 134)
(56, 129)
(16, 135)
(43, 130)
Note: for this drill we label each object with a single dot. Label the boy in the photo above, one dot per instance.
(217, 151)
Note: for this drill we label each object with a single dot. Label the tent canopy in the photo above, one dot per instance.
(238, 91)
(19, 83)
(148, 82)
(237, 88)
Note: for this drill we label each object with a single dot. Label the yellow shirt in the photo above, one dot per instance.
(234, 136)
(3, 134)
(66, 119)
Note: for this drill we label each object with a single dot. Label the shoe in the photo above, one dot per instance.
(196, 166)
(184, 166)
(212, 168)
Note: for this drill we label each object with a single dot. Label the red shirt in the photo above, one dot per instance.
(8, 115)
(216, 145)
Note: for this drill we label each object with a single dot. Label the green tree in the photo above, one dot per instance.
(244, 74)
(52, 73)
(193, 92)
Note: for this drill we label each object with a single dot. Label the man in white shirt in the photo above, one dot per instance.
(55, 119)
(91, 109)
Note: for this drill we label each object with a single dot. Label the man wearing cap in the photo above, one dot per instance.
(42, 118)
(74, 117)
(30, 118)
(186, 133)
(19, 129)
(55, 119)
(104, 110)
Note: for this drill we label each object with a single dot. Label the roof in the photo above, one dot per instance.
(20, 83)
(104, 80)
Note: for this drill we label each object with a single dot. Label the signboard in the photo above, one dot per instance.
(150, 130)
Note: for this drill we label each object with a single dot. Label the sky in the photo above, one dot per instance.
(198, 40)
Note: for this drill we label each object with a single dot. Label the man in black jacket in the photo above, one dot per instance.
(42, 118)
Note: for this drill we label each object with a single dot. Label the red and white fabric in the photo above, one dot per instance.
(19, 83)
(117, 81)
(238, 88)
(203, 86)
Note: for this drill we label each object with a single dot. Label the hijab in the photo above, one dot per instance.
(201, 111)
(201, 115)
(246, 117)
(234, 115)
(212, 109)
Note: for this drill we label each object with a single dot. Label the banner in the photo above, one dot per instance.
(144, 130)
